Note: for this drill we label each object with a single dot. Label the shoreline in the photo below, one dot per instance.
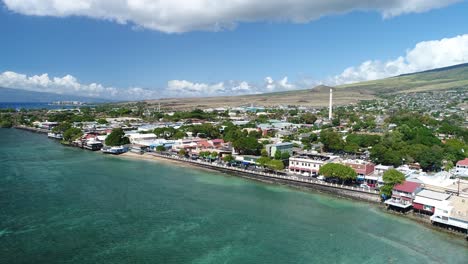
(417, 218)
(334, 190)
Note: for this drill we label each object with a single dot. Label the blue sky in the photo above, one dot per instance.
(137, 61)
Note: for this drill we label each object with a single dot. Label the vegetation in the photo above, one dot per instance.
(71, 134)
(338, 171)
(391, 178)
(117, 138)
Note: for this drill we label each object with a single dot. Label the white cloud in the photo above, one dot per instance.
(71, 86)
(281, 85)
(180, 88)
(426, 55)
(187, 15)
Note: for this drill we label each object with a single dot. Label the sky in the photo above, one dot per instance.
(143, 49)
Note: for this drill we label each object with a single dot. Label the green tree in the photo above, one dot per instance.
(182, 152)
(117, 138)
(247, 146)
(391, 177)
(278, 155)
(72, 133)
(102, 121)
(338, 171)
(160, 148)
(331, 140)
(275, 165)
(263, 161)
(228, 158)
(285, 155)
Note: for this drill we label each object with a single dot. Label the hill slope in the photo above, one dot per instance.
(453, 77)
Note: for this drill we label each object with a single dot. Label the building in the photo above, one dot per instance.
(361, 167)
(308, 164)
(462, 168)
(426, 201)
(403, 195)
(452, 212)
(283, 147)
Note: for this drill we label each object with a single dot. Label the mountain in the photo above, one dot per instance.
(453, 77)
(8, 95)
(447, 78)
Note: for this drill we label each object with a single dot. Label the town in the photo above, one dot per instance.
(409, 151)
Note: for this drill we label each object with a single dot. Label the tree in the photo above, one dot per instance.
(263, 161)
(285, 155)
(72, 133)
(264, 153)
(61, 128)
(278, 155)
(102, 121)
(117, 138)
(228, 158)
(247, 145)
(308, 118)
(275, 165)
(160, 148)
(331, 140)
(391, 177)
(338, 171)
(182, 152)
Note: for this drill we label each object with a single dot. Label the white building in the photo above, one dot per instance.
(462, 168)
(308, 164)
(452, 212)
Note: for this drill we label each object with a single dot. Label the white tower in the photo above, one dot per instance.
(331, 105)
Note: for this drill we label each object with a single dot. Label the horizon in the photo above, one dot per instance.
(134, 55)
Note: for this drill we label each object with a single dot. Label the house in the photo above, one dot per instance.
(282, 147)
(403, 196)
(462, 168)
(361, 167)
(308, 164)
(426, 201)
(452, 212)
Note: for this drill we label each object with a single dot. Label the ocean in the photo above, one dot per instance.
(66, 205)
(18, 106)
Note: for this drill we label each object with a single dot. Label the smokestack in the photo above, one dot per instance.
(331, 105)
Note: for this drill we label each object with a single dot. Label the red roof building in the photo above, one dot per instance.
(407, 187)
(403, 195)
(462, 163)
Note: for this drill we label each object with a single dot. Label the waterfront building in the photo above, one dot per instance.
(452, 212)
(426, 201)
(308, 164)
(403, 196)
(283, 147)
(361, 167)
(462, 168)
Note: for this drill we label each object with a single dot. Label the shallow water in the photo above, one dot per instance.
(66, 205)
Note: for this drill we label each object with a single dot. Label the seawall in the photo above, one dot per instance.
(309, 184)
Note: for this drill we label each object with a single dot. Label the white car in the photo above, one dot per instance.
(321, 178)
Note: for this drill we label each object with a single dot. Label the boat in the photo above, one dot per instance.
(55, 135)
(114, 150)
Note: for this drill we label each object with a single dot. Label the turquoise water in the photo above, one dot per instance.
(66, 205)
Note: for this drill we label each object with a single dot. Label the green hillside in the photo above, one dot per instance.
(453, 77)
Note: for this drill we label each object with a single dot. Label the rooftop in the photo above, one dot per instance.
(463, 162)
(407, 187)
(433, 195)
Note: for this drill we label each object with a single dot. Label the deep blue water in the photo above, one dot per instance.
(66, 205)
